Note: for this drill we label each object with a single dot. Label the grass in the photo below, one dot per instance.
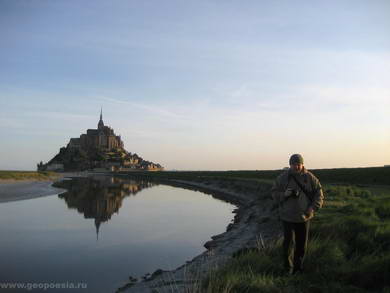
(357, 176)
(349, 246)
(23, 175)
(348, 251)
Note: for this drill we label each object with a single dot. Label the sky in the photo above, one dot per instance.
(198, 85)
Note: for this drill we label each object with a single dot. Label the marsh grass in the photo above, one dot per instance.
(348, 250)
(349, 246)
(371, 176)
(23, 175)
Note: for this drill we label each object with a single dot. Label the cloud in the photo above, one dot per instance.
(355, 98)
(156, 110)
(61, 115)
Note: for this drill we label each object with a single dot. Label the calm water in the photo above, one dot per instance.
(105, 229)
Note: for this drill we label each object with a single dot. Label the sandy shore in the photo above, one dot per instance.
(254, 225)
(13, 190)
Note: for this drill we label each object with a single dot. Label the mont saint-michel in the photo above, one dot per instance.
(100, 150)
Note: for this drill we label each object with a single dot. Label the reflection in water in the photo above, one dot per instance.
(162, 227)
(99, 197)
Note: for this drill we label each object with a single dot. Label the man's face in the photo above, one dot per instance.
(297, 167)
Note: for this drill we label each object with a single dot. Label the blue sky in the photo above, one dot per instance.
(196, 85)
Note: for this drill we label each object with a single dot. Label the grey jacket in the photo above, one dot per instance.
(294, 209)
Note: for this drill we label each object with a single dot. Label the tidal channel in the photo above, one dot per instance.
(104, 229)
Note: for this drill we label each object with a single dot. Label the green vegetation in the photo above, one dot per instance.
(23, 175)
(349, 250)
(357, 176)
(349, 246)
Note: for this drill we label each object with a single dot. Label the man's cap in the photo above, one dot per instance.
(296, 159)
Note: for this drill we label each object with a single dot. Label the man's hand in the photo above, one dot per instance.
(309, 213)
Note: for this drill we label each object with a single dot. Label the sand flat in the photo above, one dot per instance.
(11, 190)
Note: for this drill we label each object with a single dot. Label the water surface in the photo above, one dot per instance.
(103, 230)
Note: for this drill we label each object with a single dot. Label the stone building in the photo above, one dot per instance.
(103, 138)
(54, 166)
(99, 150)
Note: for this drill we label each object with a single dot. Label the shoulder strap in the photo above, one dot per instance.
(308, 194)
(288, 179)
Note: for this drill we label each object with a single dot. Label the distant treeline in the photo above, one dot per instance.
(373, 175)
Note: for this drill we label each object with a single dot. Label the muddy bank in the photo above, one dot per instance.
(13, 190)
(255, 223)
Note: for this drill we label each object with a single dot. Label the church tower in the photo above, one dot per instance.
(101, 124)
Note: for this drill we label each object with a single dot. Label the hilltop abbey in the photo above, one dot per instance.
(102, 138)
(99, 150)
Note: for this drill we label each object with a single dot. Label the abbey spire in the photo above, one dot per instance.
(101, 124)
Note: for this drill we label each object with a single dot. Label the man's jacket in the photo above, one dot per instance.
(294, 208)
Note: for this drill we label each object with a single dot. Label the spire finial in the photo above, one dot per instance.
(101, 113)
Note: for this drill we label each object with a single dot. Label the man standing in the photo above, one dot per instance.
(298, 194)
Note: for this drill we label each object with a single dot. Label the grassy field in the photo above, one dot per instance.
(25, 175)
(357, 176)
(349, 246)
(348, 251)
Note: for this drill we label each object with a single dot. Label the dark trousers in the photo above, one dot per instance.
(295, 233)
